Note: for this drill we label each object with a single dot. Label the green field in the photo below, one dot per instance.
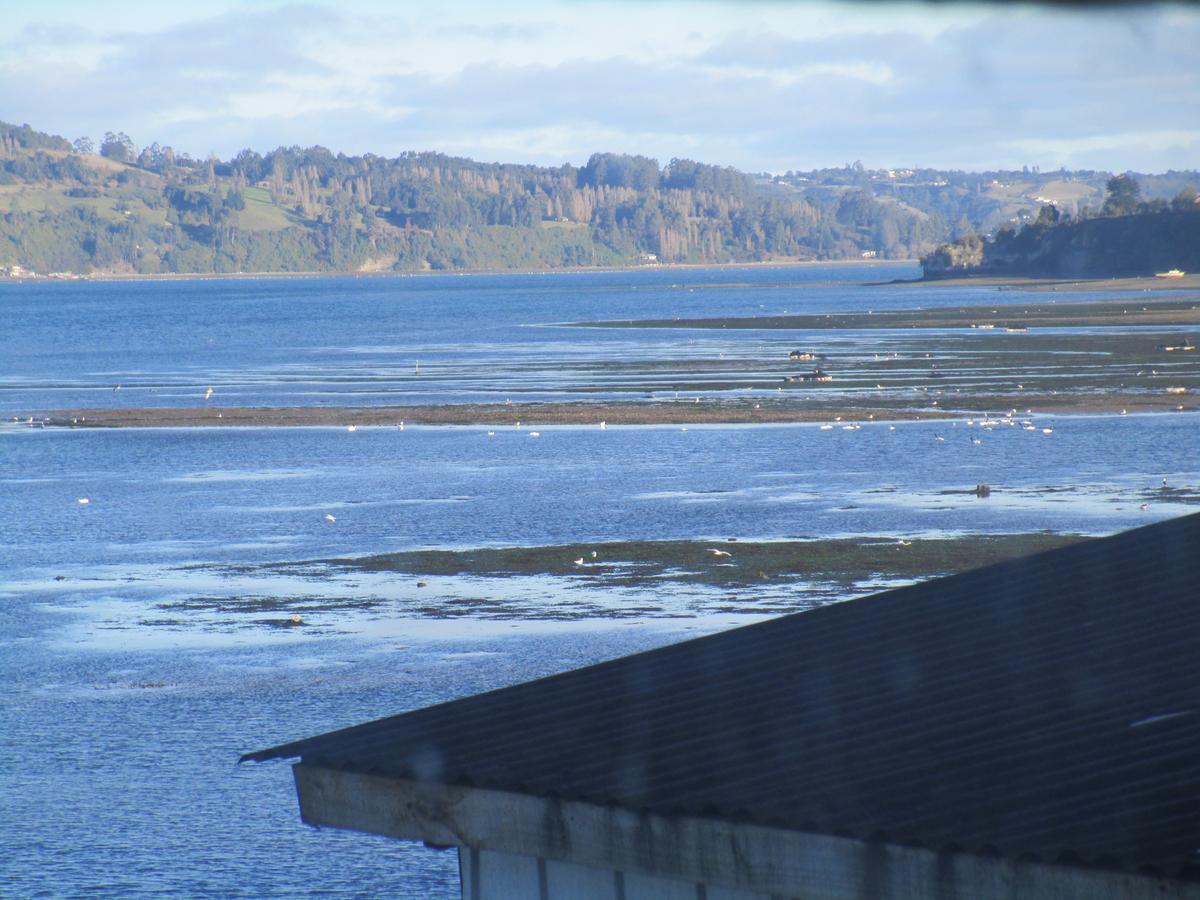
(263, 214)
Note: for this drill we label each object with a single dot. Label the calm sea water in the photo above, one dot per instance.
(136, 667)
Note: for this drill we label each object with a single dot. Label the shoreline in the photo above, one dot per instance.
(1033, 284)
(1047, 284)
(353, 273)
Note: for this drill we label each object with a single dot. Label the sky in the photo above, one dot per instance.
(762, 86)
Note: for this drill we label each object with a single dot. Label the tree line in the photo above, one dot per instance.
(154, 209)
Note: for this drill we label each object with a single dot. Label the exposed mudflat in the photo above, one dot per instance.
(1183, 310)
(720, 562)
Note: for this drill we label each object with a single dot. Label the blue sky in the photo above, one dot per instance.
(763, 86)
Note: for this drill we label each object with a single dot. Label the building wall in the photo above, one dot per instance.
(520, 845)
(491, 875)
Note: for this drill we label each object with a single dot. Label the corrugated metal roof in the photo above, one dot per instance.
(1047, 706)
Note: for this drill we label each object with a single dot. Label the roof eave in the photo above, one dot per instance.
(712, 851)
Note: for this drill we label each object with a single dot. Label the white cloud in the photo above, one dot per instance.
(764, 86)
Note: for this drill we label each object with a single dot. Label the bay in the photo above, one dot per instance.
(140, 650)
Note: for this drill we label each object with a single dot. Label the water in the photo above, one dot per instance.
(438, 339)
(138, 644)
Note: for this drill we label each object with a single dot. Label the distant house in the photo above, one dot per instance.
(1026, 730)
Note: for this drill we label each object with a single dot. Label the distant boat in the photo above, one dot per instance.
(1170, 273)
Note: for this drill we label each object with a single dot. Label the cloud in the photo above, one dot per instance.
(134, 81)
(232, 47)
(496, 31)
(761, 87)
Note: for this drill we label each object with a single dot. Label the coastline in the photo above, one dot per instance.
(1188, 282)
(1151, 283)
(354, 273)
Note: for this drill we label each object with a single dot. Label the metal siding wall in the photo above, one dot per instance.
(580, 882)
(507, 876)
(722, 893)
(466, 871)
(647, 887)
(492, 875)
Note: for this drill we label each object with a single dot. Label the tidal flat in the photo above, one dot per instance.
(228, 588)
(1087, 356)
(600, 581)
(719, 563)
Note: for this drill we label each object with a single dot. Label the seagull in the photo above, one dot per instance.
(593, 554)
(84, 501)
(330, 518)
(208, 393)
(352, 428)
(117, 388)
(579, 562)
(535, 434)
(1047, 431)
(401, 424)
(603, 425)
(491, 434)
(715, 552)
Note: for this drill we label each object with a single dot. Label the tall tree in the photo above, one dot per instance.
(118, 147)
(1123, 196)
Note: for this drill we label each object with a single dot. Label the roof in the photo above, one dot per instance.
(1042, 708)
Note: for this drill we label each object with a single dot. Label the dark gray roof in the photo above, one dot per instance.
(1047, 706)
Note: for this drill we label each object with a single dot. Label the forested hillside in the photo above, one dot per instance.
(1126, 236)
(66, 208)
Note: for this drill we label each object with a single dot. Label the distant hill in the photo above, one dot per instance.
(1127, 237)
(977, 202)
(67, 209)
